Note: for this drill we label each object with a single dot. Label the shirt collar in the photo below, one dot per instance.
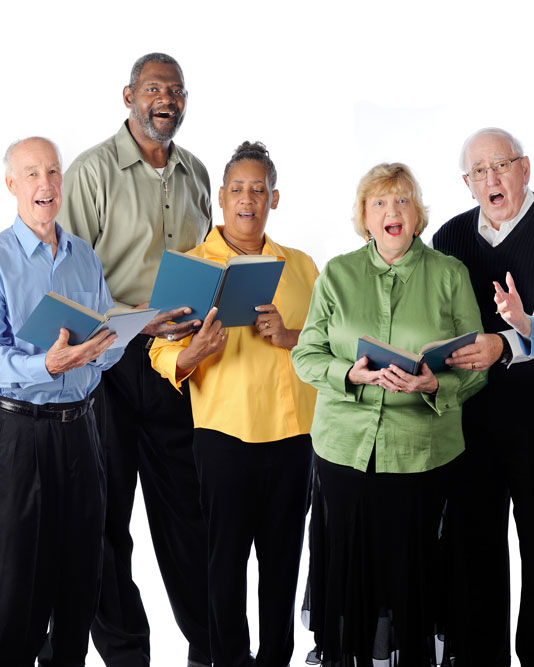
(29, 240)
(217, 248)
(527, 203)
(128, 151)
(403, 268)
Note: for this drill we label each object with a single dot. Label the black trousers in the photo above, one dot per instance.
(52, 503)
(253, 492)
(499, 466)
(146, 427)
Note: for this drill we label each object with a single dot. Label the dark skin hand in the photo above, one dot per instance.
(62, 357)
(162, 325)
(207, 341)
(270, 325)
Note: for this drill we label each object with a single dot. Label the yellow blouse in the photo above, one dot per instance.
(249, 389)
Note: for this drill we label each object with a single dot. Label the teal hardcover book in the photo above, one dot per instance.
(381, 355)
(55, 311)
(236, 288)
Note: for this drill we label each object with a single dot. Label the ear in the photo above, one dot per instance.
(276, 199)
(127, 96)
(221, 190)
(525, 163)
(11, 185)
(466, 181)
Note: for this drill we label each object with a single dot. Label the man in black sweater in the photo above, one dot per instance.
(495, 237)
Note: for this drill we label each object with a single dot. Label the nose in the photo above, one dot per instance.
(491, 176)
(45, 180)
(392, 208)
(166, 96)
(247, 194)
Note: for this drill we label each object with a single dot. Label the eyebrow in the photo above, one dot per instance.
(54, 165)
(237, 180)
(177, 84)
(495, 158)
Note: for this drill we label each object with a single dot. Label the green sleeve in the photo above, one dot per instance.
(79, 213)
(313, 358)
(457, 385)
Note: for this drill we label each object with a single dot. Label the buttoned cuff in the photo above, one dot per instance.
(446, 397)
(519, 346)
(165, 364)
(337, 378)
(36, 367)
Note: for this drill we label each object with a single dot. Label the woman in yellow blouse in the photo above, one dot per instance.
(252, 420)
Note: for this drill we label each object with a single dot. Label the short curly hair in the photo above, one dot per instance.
(383, 179)
(150, 58)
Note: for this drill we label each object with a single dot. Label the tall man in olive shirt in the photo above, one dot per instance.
(132, 197)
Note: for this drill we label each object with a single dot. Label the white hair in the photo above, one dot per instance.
(10, 149)
(515, 144)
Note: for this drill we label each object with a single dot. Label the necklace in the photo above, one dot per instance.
(233, 245)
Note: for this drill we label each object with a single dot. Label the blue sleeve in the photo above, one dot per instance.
(19, 367)
(105, 303)
(527, 344)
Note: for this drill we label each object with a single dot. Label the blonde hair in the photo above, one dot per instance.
(383, 179)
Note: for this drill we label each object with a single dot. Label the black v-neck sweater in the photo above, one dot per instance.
(460, 237)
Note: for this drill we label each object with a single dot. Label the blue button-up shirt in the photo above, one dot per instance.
(27, 272)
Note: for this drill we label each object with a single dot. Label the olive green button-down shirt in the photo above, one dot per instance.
(130, 213)
(423, 297)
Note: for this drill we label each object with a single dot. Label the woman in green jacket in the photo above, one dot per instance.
(388, 444)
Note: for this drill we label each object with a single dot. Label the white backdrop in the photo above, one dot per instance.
(330, 88)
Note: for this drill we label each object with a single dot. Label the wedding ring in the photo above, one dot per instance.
(267, 325)
(170, 337)
(221, 334)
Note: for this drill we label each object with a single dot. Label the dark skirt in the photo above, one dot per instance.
(380, 587)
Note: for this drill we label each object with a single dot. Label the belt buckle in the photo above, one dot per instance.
(64, 416)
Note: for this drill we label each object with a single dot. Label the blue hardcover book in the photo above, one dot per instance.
(236, 288)
(55, 311)
(381, 355)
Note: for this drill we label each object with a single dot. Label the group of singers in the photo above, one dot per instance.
(233, 432)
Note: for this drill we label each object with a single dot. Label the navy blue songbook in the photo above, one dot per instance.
(381, 355)
(236, 288)
(55, 311)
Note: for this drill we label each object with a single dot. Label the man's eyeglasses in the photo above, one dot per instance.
(501, 167)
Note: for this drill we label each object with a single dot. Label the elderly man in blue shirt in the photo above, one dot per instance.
(52, 484)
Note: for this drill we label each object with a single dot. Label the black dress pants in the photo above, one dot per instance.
(499, 466)
(253, 492)
(146, 427)
(52, 503)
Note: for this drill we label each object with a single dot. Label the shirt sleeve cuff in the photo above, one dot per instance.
(519, 346)
(446, 397)
(165, 364)
(36, 367)
(337, 379)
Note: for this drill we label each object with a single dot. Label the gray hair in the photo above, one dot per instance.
(150, 58)
(515, 144)
(11, 148)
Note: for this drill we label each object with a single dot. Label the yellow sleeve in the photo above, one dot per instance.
(164, 356)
